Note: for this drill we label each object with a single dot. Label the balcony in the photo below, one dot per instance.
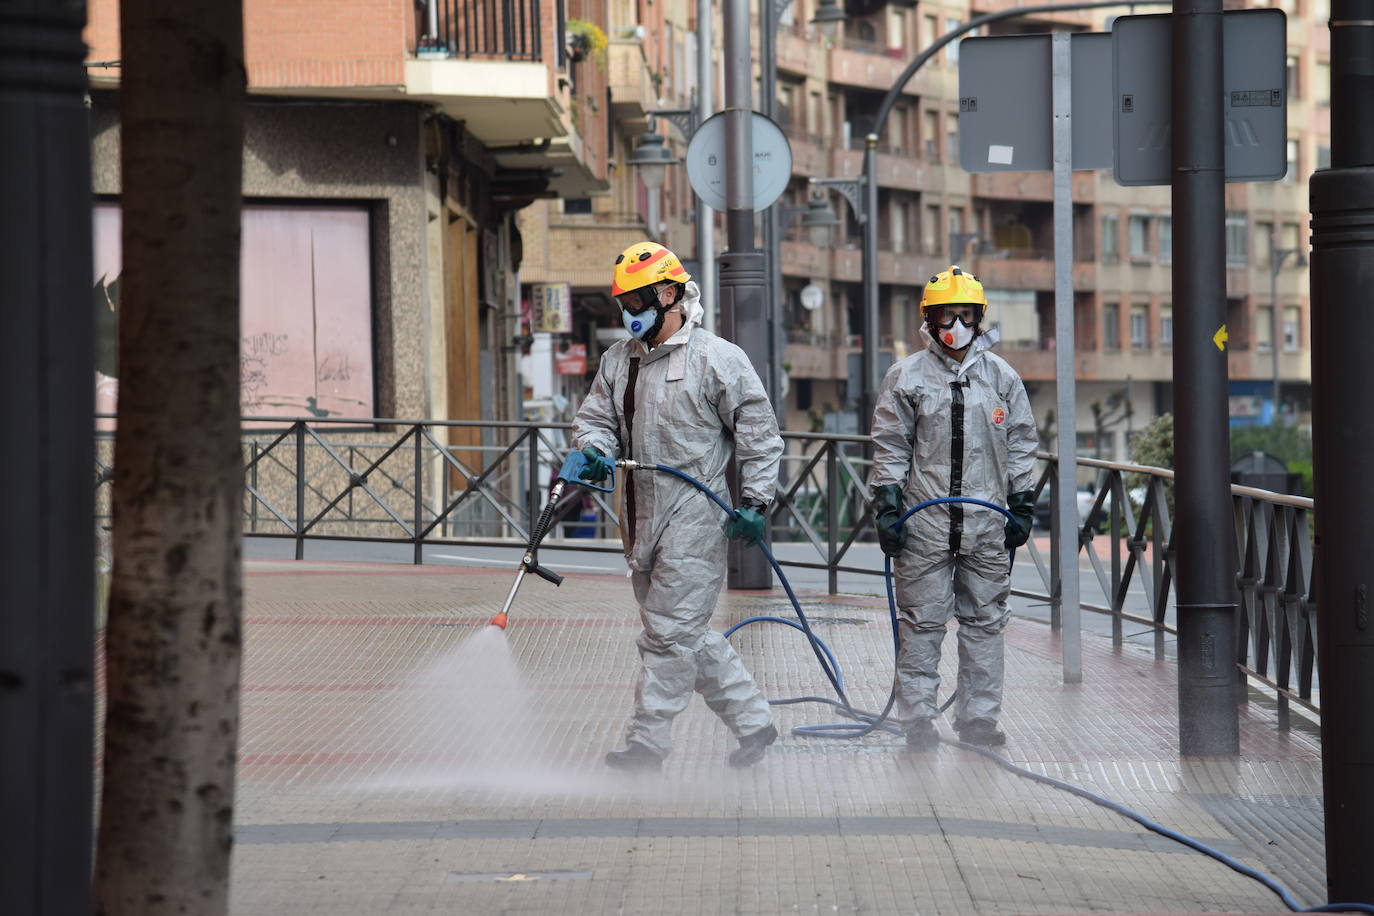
(861, 63)
(576, 248)
(905, 268)
(1029, 270)
(799, 53)
(1032, 186)
(632, 87)
(810, 157)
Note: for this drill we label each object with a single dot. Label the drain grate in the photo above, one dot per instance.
(516, 877)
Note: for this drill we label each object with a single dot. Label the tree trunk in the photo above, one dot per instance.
(174, 634)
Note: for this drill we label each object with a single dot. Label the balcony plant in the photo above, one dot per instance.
(585, 39)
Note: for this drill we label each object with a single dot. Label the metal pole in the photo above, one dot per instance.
(1208, 722)
(706, 218)
(870, 377)
(300, 490)
(743, 274)
(1064, 357)
(1275, 262)
(47, 577)
(771, 224)
(1341, 274)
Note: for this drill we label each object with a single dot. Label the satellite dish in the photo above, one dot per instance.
(812, 297)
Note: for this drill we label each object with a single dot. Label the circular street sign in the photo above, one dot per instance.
(706, 161)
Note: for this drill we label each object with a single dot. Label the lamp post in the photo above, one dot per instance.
(652, 158)
(1277, 257)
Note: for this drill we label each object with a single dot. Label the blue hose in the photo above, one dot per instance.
(866, 722)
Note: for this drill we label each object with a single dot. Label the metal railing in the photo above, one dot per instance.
(424, 482)
(509, 29)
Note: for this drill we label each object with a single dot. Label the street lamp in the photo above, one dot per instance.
(1277, 257)
(829, 15)
(817, 218)
(652, 157)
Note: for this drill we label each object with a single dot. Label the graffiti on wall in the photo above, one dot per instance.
(306, 310)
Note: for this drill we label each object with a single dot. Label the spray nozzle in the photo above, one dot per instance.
(499, 620)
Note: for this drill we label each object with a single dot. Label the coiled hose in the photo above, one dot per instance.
(868, 722)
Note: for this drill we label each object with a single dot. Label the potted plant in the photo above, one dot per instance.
(585, 39)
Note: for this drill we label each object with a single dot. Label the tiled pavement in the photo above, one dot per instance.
(399, 757)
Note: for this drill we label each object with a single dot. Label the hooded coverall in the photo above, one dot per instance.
(689, 402)
(946, 428)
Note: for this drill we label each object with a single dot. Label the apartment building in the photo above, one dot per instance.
(388, 147)
(931, 212)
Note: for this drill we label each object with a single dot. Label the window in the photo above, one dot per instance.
(1140, 237)
(1291, 176)
(1323, 156)
(952, 49)
(1264, 235)
(1264, 328)
(899, 218)
(580, 205)
(1237, 240)
(1290, 68)
(1140, 327)
(930, 31)
(952, 133)
(932, 135)
(896, 27)
(1166, 239)
(930, 229)
(956, 219)
(1166, 326)
(813, 115)
(1111, 326)
(1292, 315)
(1321, 82)
(1290, 238)
(1111, 242)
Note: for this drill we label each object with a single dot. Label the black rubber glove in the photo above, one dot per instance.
(598, 468)
(1022, 505)
(887, 515)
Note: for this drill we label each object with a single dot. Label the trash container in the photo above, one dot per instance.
(1265, 472)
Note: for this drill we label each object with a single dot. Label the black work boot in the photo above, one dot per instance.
(982, 732)
(752, 747)
(636, 758)
(921, 736)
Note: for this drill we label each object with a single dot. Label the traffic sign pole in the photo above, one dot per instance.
(1061, 91)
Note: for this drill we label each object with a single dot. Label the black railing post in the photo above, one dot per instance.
(532, 497)
(419, 497)
(300, 489)
(832, 514)
(1118, 487)
(1056, 585)
(252, 499)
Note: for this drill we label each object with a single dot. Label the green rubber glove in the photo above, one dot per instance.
(887, 515)
(747, 526)
(1022, 505)
(598, 465)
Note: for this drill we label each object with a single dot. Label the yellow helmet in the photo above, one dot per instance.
(953, 287)
(644, 264)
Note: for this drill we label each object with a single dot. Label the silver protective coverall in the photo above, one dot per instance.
(689, 403)
(946, 428)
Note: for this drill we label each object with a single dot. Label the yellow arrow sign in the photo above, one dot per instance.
(1220, 338)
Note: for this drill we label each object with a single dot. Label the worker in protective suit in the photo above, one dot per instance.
(676, 394)
(952, 419)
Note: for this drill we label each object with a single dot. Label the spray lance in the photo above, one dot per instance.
(529, 563)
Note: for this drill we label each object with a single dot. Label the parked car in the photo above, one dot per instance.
(1084, 496)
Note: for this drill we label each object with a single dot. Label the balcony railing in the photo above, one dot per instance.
(508, 29)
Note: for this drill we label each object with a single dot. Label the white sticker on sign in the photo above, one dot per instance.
(999, 155)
